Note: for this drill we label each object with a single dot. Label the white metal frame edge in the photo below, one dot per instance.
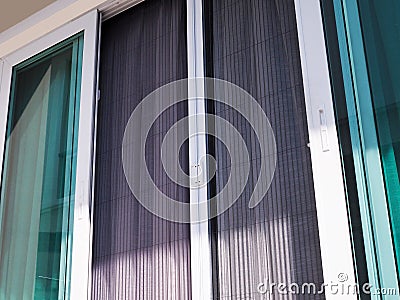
(201, 269)
(81, 229)
(82, 225)
(333, 222)
(94, 149)
(4, 82)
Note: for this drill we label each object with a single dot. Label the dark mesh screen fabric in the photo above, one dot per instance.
(137, 255)
(254, 44)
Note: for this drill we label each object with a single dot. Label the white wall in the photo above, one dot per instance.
(50, 18)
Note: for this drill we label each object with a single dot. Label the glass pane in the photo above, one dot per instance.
(348, 134)
(380, 26)
(38, 178)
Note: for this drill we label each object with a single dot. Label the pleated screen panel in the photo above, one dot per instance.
(137, 255)
(254, 44)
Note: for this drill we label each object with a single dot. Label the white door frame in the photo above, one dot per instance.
(80, 264)
(333, 221)
(200, 242)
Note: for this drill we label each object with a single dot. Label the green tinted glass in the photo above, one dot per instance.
(381, 31)
(39, 175)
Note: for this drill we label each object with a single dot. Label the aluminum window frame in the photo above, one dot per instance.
(88, 24)
(200, 236)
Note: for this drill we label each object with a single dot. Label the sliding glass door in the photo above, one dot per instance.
(38, 180)
(382, 41)
(365, 77)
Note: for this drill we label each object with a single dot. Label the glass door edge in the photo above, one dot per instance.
(370, 151)
(356, 144)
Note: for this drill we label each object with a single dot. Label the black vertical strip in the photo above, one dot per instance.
(254, 44)
(137, 255)
(211, 146)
